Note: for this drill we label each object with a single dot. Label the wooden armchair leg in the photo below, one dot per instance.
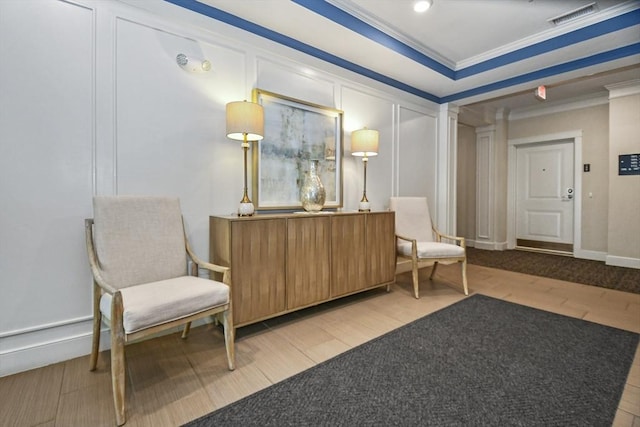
(229, 338)
(433, 270)
(97, 322)
(117, 358)
(95, 343)
(464, 277)
(415, 276)
(185, 331)
(118, 376)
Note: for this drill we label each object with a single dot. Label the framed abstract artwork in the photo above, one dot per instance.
(296, 133)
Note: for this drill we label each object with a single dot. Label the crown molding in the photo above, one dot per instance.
(362, 14)
(631, 87)
(577, 103)
(484, 129)
(579, 23)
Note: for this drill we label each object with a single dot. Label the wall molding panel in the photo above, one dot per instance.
(485, 187)
(416, 154)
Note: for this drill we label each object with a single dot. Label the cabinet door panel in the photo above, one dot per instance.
(381, 247)
(308, 261)
(348, 254)
(258, 273)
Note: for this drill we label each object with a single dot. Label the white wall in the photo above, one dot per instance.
(94, 103)
(47, 143)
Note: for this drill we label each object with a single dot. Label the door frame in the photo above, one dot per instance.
(576, 137)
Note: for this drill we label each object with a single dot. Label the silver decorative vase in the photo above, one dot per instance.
(312, 194)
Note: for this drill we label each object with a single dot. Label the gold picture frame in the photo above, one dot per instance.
(296, 132)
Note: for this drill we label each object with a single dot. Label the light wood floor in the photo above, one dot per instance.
(171, 381)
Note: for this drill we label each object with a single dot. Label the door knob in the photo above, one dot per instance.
(569, 194)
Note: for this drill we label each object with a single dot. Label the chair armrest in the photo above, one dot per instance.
(93, 260)
(414, 246)
(408, 239)
(460, 240)
(211, 267)
(206, 265)
(226, 271)
(198, 263)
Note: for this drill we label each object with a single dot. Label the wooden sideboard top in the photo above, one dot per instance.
(300, 214)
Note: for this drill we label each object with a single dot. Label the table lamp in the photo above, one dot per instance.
(245, 122)
(364, 143)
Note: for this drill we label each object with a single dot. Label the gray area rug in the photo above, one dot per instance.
(479, 362)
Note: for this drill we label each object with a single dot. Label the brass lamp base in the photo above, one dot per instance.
(365, 205)
(246, 209)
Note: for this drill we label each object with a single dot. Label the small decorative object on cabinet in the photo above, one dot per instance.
(286, 262)
(312, 194)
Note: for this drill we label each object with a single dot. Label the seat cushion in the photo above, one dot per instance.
(160, 302)
(432, 250)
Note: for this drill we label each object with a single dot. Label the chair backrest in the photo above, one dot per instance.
(138, 239)
(412, 218)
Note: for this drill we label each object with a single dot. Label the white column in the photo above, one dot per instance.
(485, 189)
(444, 210)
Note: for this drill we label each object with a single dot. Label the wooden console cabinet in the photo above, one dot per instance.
(284, 262)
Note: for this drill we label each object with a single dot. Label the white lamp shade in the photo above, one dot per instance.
(364, 142)
(245, 118)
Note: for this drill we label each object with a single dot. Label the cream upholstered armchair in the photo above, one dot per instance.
(418, 240)
(138, 255)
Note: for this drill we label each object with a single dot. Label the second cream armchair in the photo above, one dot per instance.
(419, 241)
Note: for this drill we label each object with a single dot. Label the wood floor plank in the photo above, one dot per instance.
(630, 401)
(225, 388)
(165, 388)
(19, 392)
(87, 406)
(276, 357)
(301, 334)
(77, 375)
(623, 419)
(613, 318)
(634, 373)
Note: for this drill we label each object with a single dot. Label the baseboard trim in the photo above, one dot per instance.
(24, 357)
(591, 255)
(491, 246)
(18, 360)
(619, 261)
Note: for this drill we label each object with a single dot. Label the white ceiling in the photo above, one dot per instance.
(473, 53)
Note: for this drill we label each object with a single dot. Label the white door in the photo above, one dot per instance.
(545, 195)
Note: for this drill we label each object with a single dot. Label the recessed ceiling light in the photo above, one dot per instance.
(422, 6)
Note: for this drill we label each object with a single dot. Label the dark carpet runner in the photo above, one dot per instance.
(479, 362)
(587, 272)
